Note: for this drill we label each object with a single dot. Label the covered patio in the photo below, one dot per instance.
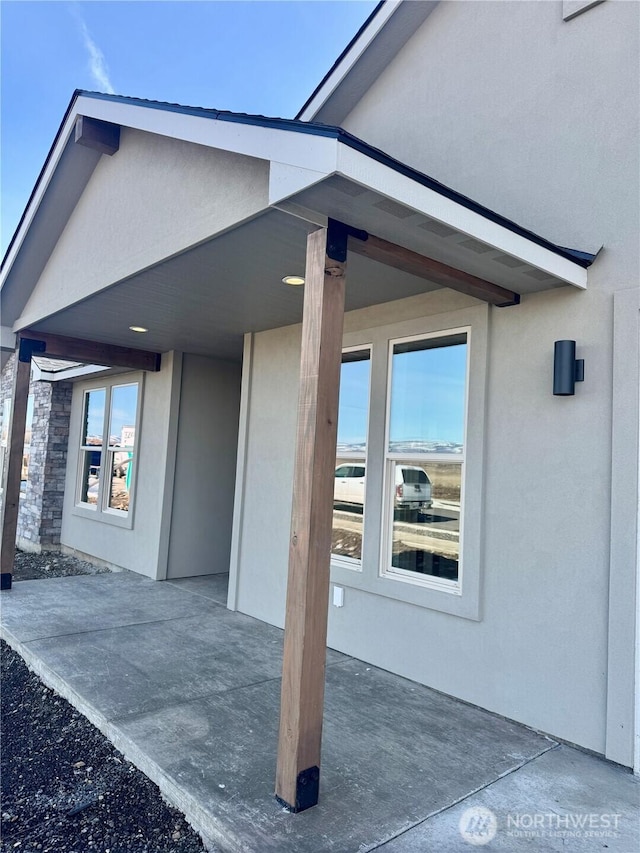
(189, 692)
(208, 214)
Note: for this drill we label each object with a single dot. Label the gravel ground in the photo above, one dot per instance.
(51, 564)
(64, 787)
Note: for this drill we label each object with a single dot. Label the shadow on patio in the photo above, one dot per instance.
(189, 692)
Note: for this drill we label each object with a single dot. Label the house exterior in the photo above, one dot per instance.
(482, 158)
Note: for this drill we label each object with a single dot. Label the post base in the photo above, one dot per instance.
(307, 791)
(5, 580)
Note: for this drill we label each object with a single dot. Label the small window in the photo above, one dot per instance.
(108, 448)
(425, 459)
(349, 483)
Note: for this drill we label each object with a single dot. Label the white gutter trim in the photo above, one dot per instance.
(308, 151)
(39, 375)
(367, 172)
(350, 59)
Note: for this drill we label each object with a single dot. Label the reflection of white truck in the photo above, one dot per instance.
(412, 486)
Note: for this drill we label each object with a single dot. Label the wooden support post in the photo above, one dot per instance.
(305, 640)
(13, 461)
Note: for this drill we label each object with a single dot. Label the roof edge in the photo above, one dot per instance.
(583, 259)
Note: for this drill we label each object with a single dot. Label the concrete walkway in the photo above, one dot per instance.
(189, 692)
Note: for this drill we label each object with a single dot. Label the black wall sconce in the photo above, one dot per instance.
(567, 369)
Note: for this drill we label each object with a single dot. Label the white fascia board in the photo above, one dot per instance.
(253, 140)
(286, 180)
(350, 59)
(382, 179)
(7, 338)
(39, 375)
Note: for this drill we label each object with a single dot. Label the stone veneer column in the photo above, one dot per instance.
(41, 497)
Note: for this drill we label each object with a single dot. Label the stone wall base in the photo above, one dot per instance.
(30, 547)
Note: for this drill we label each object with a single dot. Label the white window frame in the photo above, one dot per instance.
(350, 563)
(466, 602)
(101, 511)
(386, 569)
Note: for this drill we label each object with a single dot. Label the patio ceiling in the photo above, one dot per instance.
(204, 300)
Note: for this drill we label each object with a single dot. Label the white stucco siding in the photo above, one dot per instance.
(152, 199)
(531, 115)
(136, 547)
(203, 488)
(538, 653)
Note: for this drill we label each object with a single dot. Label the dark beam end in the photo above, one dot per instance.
(5, 580)
(102, 136)
(92, 352)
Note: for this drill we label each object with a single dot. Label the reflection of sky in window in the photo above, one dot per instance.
(95, 413)
(124, 399)
(353, 409)
(427, 395)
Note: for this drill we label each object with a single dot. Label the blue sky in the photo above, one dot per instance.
(253, 56)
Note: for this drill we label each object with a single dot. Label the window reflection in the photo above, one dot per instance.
(111, 412)
(90, 477)
(428, 396)
(122, 435)
(93, 417)
(425, 455)
(426, 518)
(350, 471)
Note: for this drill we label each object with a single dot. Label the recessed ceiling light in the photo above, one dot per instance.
(138, 329)
(293, 279)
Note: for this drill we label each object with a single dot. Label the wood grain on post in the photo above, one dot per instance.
(303, 670)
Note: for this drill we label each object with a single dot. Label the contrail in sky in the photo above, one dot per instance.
(97, 62)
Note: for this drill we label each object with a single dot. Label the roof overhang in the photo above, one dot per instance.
(316, 172)
(383, 34)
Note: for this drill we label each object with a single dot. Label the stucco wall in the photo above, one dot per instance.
(137, 547)
(205, 467)
(128, 218)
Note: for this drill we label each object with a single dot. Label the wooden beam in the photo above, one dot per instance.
(13, 460)
(303, 668)
(102, 136)
(419, 265)
(92, 352)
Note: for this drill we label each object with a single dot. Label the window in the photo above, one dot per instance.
(424, 459)
(108, 448)
(349, 482)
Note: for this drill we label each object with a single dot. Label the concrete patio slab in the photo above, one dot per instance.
(190, 693)
(563, 802)
(214, 587)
